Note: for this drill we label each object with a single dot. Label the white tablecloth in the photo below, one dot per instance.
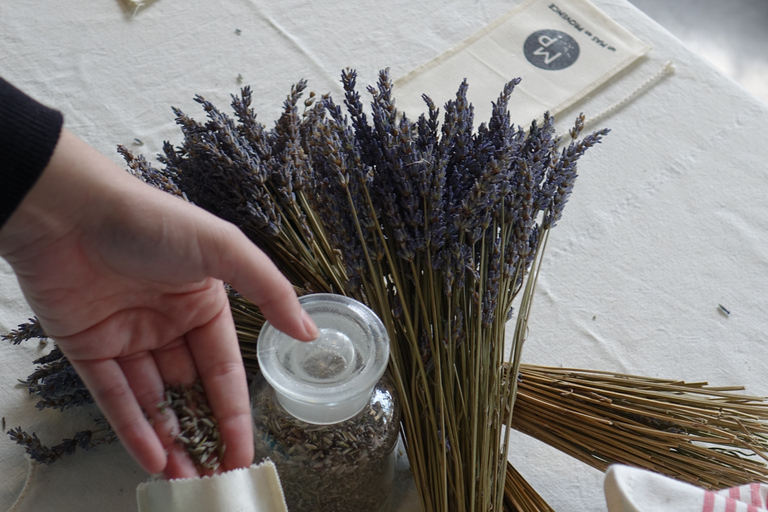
(668, 219)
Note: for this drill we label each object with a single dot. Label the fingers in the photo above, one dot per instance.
(128, 387)
(236, 260)
(113, 394)
(147, 376)
(220, 366)
(124, 392)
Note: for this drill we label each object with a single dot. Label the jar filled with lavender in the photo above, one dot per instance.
(323, 411)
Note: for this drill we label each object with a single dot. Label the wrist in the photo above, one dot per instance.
(54, 204)
(29, 132)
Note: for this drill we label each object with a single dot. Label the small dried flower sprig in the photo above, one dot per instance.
(26, 331)
(57, 383)
(54, 379)
(85, 439)
(58, 386)
(199, 430)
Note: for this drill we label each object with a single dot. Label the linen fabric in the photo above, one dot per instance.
(667, 219)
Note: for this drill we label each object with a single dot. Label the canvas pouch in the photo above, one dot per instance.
(563, 50)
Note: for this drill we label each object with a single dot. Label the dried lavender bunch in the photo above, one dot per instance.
(437, 227)
(139, 167)
(441, 228)
(254, 178)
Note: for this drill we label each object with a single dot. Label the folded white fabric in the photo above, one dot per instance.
(629, 489)
(254, 489)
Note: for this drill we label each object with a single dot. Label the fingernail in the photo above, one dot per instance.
(309, 325)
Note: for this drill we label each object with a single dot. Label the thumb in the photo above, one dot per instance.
(236, 260)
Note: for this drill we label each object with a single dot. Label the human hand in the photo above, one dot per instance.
(128, 281)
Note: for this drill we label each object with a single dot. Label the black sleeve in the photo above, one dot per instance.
(29, 132)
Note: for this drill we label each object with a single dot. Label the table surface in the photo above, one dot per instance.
(668, 218)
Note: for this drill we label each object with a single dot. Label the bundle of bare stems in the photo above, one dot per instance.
(714, 437)
(438, 228)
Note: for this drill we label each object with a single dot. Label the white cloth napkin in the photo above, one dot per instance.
(629, 489)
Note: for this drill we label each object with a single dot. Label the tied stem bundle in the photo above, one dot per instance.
(438, 228)
(709, 436)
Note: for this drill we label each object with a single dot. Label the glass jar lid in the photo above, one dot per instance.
(330, 379)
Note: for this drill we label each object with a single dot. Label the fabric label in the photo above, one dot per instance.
(561, 49)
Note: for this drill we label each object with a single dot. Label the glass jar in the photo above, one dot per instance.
(323, 411)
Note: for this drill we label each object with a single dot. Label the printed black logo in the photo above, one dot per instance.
(551, 49)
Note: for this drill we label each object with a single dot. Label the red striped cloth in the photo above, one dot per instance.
(748, 498)
(629, 489)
